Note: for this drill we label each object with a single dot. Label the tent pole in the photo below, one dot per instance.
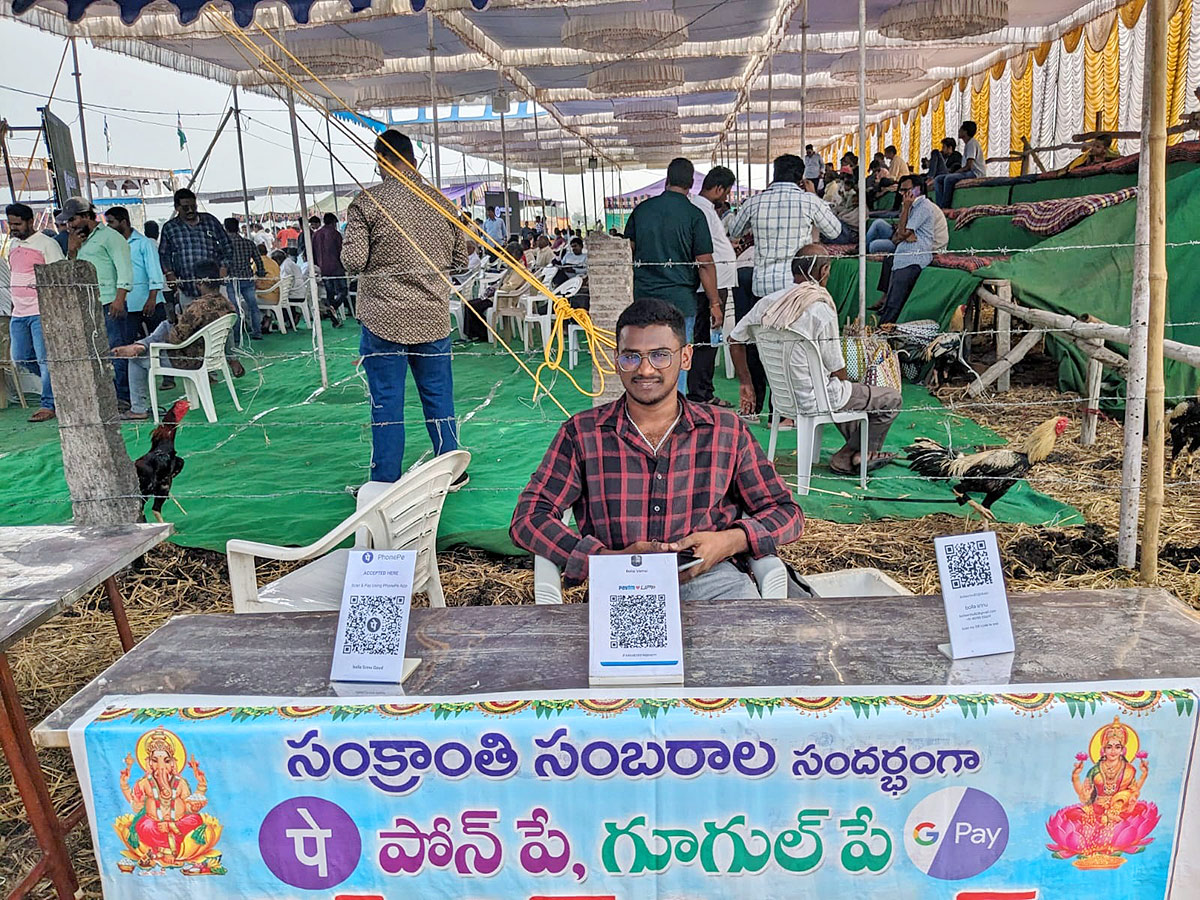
(332, 176)
(770, 79)
(562, 164)
(737, 162)
(508, 211)
(596, 204)
(749, 165)
(1156, 60)
(803, 74)
(308, 250)
(583, 190)
(87, 162)
(1139, 310)
(862, 167)
(433, 98)
(237, 122)
(537, 139)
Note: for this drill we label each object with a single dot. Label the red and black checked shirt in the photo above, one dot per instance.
(710, 475)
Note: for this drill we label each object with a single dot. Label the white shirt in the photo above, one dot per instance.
(813, 166)
(577, 261)
(722, 254)
(819, 324)
(291, 278)
(973, 158)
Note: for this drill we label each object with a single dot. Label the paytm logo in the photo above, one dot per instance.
(956, 833)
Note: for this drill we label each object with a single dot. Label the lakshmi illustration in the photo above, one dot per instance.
(1111, 820)
(166, 828)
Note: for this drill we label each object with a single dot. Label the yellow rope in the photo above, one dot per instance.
(600, 341)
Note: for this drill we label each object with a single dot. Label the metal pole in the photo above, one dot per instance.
(87, 162)
(437, 143)
(804, 75)
(583, 189)
(862, 168)
(770, 79)
(332, 176)
(749, 153)
(308, 250)
(209, 149)
(562, 164)
(504, 174)
(1156, 58)
(12, 188)
(737, 153)
(237, 122)
(596, 205)
(537, 139)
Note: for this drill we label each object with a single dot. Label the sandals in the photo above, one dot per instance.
(881, 460)
(718, 402)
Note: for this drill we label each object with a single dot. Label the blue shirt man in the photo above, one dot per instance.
(914, 239)
(148, 281)
(495, 228)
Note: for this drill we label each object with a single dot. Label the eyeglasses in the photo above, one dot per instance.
(660, 359)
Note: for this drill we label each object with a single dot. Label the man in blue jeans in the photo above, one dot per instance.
(244, 266)
(403, 250)
(973, 166)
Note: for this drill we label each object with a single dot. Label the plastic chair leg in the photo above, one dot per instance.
(204, 393)
(433, 587)
(229, 384)
(154, 394)
(806, 433)
(774, 439)
(863, 453)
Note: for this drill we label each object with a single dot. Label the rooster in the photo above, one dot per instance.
(945, 354)
(990, 472)
(158, 467)
(1184, 424)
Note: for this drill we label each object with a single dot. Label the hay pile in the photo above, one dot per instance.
(64, 654)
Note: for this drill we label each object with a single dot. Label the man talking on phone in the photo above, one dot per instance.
(652, 472)
(915, 239)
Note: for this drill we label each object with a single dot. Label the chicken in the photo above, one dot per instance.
(158, 467)
(990, 472)
(1183, 422)
(945, 354)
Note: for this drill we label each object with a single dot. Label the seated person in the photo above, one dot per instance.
(652, 472)
(512, 284)
(267, 287)
(914, 240)
(945, 160)
(881, 236)
(204, 310)
(807, 309)
(1099, 150)
(540, 256)
(574, 260)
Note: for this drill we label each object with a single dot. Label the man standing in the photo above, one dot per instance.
(287, 236)
(260, 237)
(29, 248)
(327, 250)
(914, 237)
(782, 219)
(673, 250)
(495, 229)
(713, 192)
(147, 272)
(108, 251)
(244, 266)
(972, 166)
(812, 165)
(403, 303)
(652, 472)
(188, 238)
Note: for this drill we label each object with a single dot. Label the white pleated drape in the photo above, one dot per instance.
(1000, 123)
(927, 131)
(1069, 101)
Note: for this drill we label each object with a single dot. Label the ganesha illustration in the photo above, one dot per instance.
(1110, 821)
(166, 829)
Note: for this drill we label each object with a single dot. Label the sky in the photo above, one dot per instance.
(141, 101)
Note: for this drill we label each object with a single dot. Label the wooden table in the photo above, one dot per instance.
(44, 570)
(815, 644)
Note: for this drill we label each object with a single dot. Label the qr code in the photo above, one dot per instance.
(373, 625)
(637, 620)
(968, 564)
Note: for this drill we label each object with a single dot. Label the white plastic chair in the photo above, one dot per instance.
(775, 347)
(545, 320)
(465, 288)
(301, 305)
(403, 515)
(276, 308)
(770, 574)
(195, 381)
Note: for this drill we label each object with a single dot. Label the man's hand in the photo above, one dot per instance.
(717, 314)
(747, 399)
(712, 547)
(74, 241)
(128, 351)
(645, 547)
(117, 307)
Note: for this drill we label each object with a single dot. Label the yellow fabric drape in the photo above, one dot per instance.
(1042, 52)
(897, 137)
(948, 91)
(1178, 42)
(1131, 12)
(998, 69)
(1071, 39)
(937, 124)
(1021, 116)
(1102, 82)
(914, 142)
(981, 101)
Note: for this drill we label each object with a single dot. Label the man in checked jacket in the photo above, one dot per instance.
(653, 473)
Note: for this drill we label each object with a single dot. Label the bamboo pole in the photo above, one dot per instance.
(237, 123)
(804, 74)
(862, 162)
(1156, 42)
(433, 107)
(307, 235)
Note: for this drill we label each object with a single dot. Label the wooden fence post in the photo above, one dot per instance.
(100, 474)
(610, 286)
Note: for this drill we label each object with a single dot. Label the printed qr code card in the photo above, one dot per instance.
(974, 595)
(633, 618)
(373, 622)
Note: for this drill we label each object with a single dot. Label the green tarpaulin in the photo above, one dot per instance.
(934, 296)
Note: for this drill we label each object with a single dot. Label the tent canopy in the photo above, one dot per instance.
(585, 63)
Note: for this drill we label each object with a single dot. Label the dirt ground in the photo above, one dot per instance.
(63, 655)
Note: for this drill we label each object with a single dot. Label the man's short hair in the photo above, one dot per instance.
(681, 173)
(329, 219)
(890, 148)
(950, 142)
(914, 180)
(874, 166)
(577, 240)
(646, 311)
(20, 210)
(150, 229)
(396, 146)
(232, 225)
(808, 148)
(279, 255)
(970, 128)
(810, 260)
(718, 177)
(207, 271)
(120, 213)
(788, 167)
(491, 209)
(183, 194)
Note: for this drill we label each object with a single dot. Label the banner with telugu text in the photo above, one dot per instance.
(973, 797)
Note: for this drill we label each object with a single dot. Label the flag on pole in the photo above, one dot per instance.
(107, 139)
(179, 130)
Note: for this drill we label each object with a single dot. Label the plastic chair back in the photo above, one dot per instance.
(570, 287)
(215, 334)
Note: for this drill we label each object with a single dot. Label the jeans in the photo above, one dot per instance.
(879, 237)
(743, 302)
(241, 292)
(847, 235)
(724, 581)
(386, 364)
(120, 332)
(337, 292)
(139, 371)
(689, 330)
(943, 186)
(29, 349)
(899, 288)
(704, 358)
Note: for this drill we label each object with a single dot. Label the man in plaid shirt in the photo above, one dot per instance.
(782, 219)
(188, 238)
(654, 473)
(244, 266)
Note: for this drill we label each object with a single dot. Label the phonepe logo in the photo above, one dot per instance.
(956, 833)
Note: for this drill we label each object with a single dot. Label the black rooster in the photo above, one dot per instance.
(158, 467)
(1184, 424)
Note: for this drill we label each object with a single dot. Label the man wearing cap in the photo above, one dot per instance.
(107, 250)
